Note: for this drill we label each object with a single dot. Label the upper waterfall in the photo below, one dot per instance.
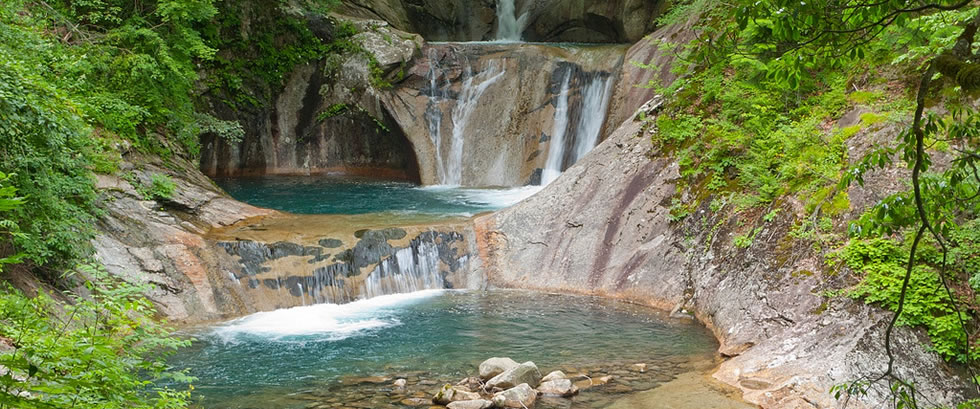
(556, 155)
(510, 26)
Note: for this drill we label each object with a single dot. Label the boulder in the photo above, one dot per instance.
(400, 383)
(524, 373)
(450, 393)
(558, 387)
(471, 404)
(520, 396)
(554, 376)
(496, 366)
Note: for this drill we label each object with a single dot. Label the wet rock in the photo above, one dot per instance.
(496, 366)
(641, 368)
(471, 384)
(450, 393)
(558, 387)
(520, 396)
(618, 388)
(330, 243)
(415, 402)
(471, 404)
(553, 376)
(524, 373)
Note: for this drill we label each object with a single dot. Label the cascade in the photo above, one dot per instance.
(509, 25)
(595, 103)
(449, 159)
(556, 154)
(411, 269)
(591, 109)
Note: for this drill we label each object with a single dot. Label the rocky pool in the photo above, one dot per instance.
(326, 195)
(347, 356)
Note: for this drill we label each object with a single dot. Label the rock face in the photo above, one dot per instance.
(526, 373)
(324, 120)
(496, 366)
(589, 21)
(485, 114)
(606, 230)
(472, 114)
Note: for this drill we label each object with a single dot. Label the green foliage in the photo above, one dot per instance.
(9, 201)
(883, 263)
(161, 187)
(100, 351)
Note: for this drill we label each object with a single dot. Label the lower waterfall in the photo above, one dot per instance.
(411, 269)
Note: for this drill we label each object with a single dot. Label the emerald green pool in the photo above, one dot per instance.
(325, 195)
(312, 357)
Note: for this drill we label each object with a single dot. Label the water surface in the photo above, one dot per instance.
(311, 357)
(325, 195)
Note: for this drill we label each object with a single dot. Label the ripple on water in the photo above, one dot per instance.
(308, 357)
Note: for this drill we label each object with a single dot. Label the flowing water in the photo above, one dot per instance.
(332, 356)
(509, 24)
(595, 103)
(556, 154)
(324, 195)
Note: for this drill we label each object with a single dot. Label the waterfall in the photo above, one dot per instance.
(591, 110)
(595, 102)
(433, 115)
(410, 269)
(473, 88)
(556, 151)
(509, 25)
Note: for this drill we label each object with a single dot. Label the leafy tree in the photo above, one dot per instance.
(790, 40)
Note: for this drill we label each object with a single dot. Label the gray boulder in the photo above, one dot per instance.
(471, 404)
(520, 396)
(554, 376)
(524, 373)
(558, 387)
(496, 366)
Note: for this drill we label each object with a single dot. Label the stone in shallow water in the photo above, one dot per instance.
(520, 396)
(524, 373)
(553, 376)
(450, 393)
(415, 402)
(471, 404)
(496, 366)
(641, 368)
(558, 387)
(366, 379)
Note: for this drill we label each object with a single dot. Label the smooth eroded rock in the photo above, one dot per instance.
(496, 366)
(520, 396)
(558, 387)
(524, 373)
(471, 404)
(553, 376)
(449, 394)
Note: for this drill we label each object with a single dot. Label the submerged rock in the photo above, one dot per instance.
(520, 396)
(450, 393)
(558, 387)
(641, 368)
(524, 373)
(496, 366)
(471, 404)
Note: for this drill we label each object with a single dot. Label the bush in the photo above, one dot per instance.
(101, 351)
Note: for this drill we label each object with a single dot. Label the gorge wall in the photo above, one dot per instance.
(590, 21)
(410, 110)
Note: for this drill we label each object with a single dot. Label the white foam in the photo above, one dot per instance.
(332, 321)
